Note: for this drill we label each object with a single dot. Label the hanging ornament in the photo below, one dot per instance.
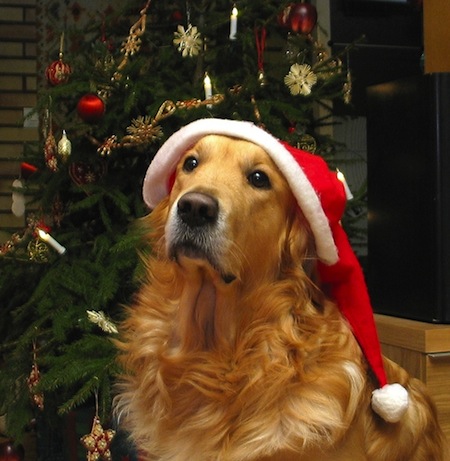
(347, 87)
(18, 198)
(33, 380)
(58, 71)
(300, 79)
(50, 151)
(91, 108)
(302, 18)
(98, 441)
(50, 148)
(132, 44)
(144, 130)
(86, 173)
(188, 42)
(260, 39)
(64, 146)
(308, 143)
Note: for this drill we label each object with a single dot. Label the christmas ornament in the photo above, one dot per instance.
(347, 87)
(260, 39)
(11, 452)
(98, 441)
(58, 71)
(144, 130)
(108, 145)
(33, 380)
(86, 173)
(307, 143)
(189, 41)
(300, 79)
(91, 108)
(18, 199)
(100, 319)
(50, 151)
(64, 146)
(302, 18)
(133, 42)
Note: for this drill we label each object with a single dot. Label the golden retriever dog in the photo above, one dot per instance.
(231, 351)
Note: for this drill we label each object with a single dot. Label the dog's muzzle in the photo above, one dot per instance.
(195, 230)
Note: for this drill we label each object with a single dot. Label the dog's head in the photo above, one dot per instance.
(231, 212)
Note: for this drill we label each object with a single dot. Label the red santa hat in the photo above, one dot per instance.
(321, 197)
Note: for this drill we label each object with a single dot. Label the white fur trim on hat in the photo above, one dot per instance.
(155, 186)
(390, 402)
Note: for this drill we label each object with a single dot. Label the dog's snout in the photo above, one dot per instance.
(198, 209)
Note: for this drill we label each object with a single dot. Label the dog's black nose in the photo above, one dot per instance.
(197, 209)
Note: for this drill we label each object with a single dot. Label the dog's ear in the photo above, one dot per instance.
(299, 249)
(299, 258)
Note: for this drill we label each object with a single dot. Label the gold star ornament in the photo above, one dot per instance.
(97, 443)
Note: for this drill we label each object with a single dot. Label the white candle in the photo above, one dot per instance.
(47, 238)
(233, 23)
(341, 178)
(207, 86)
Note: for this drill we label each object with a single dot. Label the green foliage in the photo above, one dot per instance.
(91, 201)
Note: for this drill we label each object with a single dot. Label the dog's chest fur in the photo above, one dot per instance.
(276, 387)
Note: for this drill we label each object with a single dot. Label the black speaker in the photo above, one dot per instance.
(408, 147)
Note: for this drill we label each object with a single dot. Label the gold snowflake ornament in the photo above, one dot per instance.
(189, 41)
(300, 79)
(144, 130)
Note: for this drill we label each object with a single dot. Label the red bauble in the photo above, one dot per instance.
(91, 108)
(302, 18)
(9, 452)
(58, 72)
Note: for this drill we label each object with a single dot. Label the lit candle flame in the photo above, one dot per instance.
(47, 238)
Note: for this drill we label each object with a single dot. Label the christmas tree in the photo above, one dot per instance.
(115, 91)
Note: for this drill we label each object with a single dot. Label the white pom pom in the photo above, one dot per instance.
(390, 402)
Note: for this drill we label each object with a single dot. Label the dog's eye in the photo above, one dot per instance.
(191, 163)
(259, 180)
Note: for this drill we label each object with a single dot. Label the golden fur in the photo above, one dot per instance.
(231, 351)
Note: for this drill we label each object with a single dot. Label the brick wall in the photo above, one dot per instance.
(18, 85)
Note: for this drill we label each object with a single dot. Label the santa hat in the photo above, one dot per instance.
(321, 198)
